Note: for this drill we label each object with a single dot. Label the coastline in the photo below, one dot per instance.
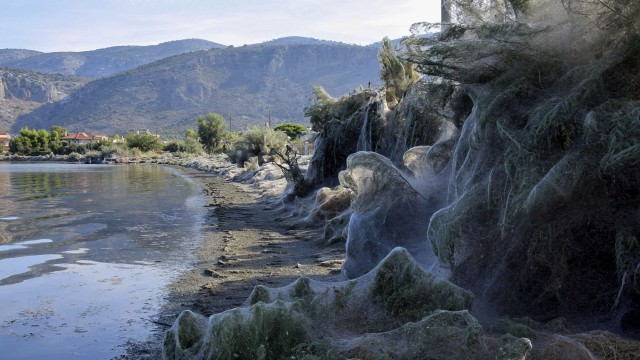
(247, 240)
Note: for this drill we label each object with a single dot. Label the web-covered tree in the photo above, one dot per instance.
(397, 74)
(551, 145)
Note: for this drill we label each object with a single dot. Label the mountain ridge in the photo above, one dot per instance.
(245, 84)
(103, 62)
(23, 91)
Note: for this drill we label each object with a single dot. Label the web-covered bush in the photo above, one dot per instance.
(546, 169)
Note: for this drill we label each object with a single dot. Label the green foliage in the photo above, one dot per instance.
(143, 141)
(192, 146)
(191, 143)
(191, 134)
(174, 146)
(58, 130)
(74, 156)
(73, 148)
(318, 111)
(259, 293)
(30, 142)
(211, 129)
(323, 110)
(98, 145)
(397, 74)
(321, 95)
(269, 331)
(257, 141)
(404, 288)
(301, 288)
(291, 129)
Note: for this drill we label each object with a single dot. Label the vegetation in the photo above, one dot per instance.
(543, 100)
(339, 123)
(268, 331)
(257, 142)
(99, 105)
(30, 142)
(292, 130)
(288, 163)
(189, 145)
(211, 129)
(397, 74)
(551, 145)
(143, 141)
(353, 122)
(43, 142)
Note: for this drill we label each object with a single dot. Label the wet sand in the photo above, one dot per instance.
(247, 241)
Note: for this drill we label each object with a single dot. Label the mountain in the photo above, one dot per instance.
(244, 84)
(300, 40)
(104, 62)
(8, 55)
(23, 91)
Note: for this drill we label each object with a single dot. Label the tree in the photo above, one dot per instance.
(143, 141)
(291, 129)
(398, 75)
(20, 145)
(191, 144)
(318, 111)
(191, 134)
(59, 130)
(55, 144)
(211, 129)
(43, 139)
(30, 141)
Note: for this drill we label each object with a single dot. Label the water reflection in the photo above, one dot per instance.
(66, 230)
(90, 320)
(24, 244)
(20, 265)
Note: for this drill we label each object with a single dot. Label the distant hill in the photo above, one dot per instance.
(103, 62)
(242, 83)
(8, 55)
(300, 40)
(23, 91)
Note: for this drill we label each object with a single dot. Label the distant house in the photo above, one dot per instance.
(82, 138)
(5, 138)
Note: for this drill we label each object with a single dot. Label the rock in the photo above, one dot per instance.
(208, 272)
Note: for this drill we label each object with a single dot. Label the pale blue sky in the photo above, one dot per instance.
(77, 25)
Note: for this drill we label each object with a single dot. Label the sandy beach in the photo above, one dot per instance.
(247, 241)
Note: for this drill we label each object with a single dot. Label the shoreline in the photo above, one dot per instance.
(247, 240)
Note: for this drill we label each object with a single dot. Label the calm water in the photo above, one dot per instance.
(85, 251)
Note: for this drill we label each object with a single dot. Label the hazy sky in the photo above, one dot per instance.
(76, 25)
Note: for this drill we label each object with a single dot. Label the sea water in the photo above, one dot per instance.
(86, 252)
